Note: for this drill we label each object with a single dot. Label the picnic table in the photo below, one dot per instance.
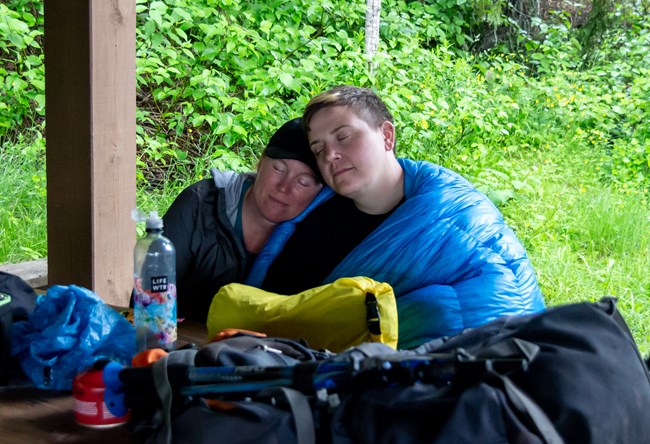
(31, 415)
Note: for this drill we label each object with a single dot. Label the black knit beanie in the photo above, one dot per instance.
(290, 142)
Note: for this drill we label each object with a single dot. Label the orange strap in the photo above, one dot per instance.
(229, 332)
(148, 357)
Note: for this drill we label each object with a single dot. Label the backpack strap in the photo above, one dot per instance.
(508, 348)
(300, 411)
(164, 391)
(160, 376)
(528, 408)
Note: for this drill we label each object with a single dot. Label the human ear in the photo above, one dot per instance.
(259, 162)
(388, 131)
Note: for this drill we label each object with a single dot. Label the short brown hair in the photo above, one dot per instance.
(362, 101)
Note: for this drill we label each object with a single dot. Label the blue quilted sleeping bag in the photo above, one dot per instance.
(446, 251)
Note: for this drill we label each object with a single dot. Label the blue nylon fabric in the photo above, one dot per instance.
(446, 251)
(69, 330)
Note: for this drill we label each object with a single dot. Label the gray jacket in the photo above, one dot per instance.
(209, 252)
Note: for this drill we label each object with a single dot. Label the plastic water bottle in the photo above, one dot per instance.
(155, 288)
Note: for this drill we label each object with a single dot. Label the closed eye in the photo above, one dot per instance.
(344, 138)
(279, 166)
(306, 182)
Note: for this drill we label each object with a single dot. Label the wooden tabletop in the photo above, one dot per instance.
(30, 415)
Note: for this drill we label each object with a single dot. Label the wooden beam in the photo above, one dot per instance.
(90, 142)
(33, 272)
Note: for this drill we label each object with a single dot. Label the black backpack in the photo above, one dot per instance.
(570, 374)
(236, 390)
(17, 301)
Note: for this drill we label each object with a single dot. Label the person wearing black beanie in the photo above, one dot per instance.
(290, 142)
(219, 225)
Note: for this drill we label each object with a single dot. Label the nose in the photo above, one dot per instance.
(331, 153)
(284, 185)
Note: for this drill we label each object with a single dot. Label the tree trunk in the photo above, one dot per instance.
(372, 31)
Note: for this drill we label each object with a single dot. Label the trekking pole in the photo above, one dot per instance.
(306, 377)
(436, 369)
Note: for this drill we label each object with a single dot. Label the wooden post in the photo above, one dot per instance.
(90, 142)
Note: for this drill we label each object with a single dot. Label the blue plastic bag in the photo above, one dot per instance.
(70, 329)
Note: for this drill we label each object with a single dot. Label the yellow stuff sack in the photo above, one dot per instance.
(334, 316)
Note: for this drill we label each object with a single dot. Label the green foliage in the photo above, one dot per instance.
(445, 22)
(622, 92)
(217, 77)
(22, 76)
(556, 134)
(558, 48)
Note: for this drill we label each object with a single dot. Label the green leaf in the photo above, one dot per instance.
(157, 39)
(240, 130)
(265, 26)
(180, 155)
(286, 79)
(500, 197)
(181, 33)
(179, 12)
(16, 39)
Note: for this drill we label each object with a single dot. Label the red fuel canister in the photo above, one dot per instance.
(90, 410)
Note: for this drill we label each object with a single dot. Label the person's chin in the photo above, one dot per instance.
(345, 188)
(280, 216)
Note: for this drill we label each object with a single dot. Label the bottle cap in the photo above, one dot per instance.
(154, 222)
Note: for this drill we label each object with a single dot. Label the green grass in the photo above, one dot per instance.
(158, 199)
(23, 219)
(586, 240)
